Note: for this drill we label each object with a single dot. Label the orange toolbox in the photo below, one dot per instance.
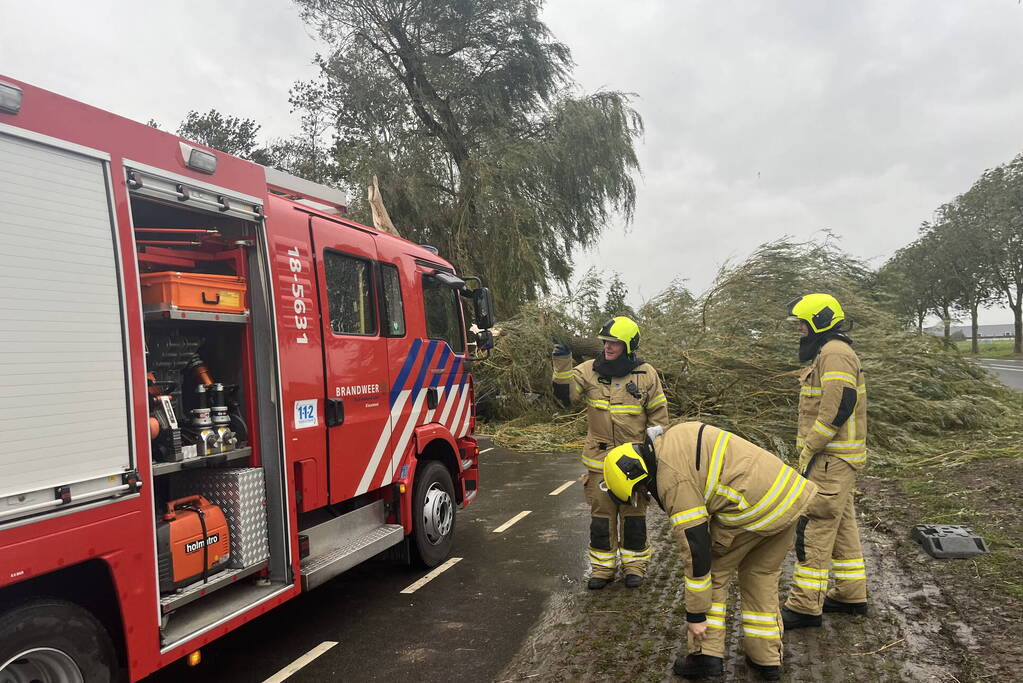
(195, 291)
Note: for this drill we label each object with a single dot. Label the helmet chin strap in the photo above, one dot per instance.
(646, 451)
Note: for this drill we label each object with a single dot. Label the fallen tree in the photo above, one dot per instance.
(729, 357)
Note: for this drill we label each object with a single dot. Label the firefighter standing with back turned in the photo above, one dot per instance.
(733, 508)
(832, 441)
(623, 397)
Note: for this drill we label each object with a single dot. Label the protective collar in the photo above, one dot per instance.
(619, 367)
(810, 345)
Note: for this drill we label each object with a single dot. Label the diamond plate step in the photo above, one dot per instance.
(318, 569)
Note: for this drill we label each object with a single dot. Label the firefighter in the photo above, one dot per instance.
(623, 396)
(831, 440)
(733, 509)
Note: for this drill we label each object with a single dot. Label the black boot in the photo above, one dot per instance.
(633, 581)
(844, 607)
(698, 667)
(767, 672)
(596, 583)
(793, 620)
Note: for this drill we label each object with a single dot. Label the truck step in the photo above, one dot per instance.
(340, 543)
(321, 568)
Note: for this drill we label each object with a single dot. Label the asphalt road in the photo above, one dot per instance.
(464, 625)
(1009, 371)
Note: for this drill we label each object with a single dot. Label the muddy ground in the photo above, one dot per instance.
(930, 620)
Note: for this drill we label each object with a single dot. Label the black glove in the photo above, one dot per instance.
(561, 349)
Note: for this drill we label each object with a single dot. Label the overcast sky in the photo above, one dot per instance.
(763, 119)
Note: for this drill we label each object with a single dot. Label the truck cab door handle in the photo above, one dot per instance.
(431, 398)
(335, 412)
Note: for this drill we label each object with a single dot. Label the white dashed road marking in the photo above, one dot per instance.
(432, 575)
(511, 521)
(290, 669)
(486, 450)
(1003, 367)
(561, 488)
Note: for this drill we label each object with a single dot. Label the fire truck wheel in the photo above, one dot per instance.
(433, 514)
(54, 641)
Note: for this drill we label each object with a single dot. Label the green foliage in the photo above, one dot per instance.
(729, 357)
(466, 112)
(228, 134)
(971, 256)
(615, 302)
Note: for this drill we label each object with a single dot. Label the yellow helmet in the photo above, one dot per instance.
(621, 329)
(624, 467)
(820, 311)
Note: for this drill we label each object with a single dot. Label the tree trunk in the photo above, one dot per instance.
(585, 348)
(1017, 314)
(947, 320)
(973, 324)
(920, 323)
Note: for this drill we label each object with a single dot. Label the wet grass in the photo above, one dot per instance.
(983, 495)
(1001, 348)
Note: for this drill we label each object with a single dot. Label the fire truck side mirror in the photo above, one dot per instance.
(483, 307)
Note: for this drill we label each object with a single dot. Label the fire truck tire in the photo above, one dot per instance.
(433, 514)
(53, 640)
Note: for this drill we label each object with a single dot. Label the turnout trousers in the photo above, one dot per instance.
(828, 538)
(615, 531)
(757, 560)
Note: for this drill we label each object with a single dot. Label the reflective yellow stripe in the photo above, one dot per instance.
(565, 374)
(593, 463)
(784, 474)
(852, 457)
(716, 608)
(822, 428)
(807, 390)
(715, 464)
(811, 572)
(861, 389)
(782, 507)
(626, 409)
(713, 622)
(698, 585)
(846, 445)
(761, 632)
(636, 554)
(836, 376)
(688, 515)
(851, 576)
(732, 495)
(657, 400)
(597, 403)
(760, 617)
(812, 585)
(854, 562)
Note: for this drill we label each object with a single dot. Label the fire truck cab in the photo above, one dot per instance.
(218, 392)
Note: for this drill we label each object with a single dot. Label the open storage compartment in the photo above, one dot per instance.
(216, 464)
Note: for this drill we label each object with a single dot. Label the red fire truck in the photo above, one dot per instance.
(217, 392)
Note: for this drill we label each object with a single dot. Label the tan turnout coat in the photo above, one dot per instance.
(735, 486)
(834, 385)
(613, 415)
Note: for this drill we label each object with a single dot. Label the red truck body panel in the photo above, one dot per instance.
(402, 395)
